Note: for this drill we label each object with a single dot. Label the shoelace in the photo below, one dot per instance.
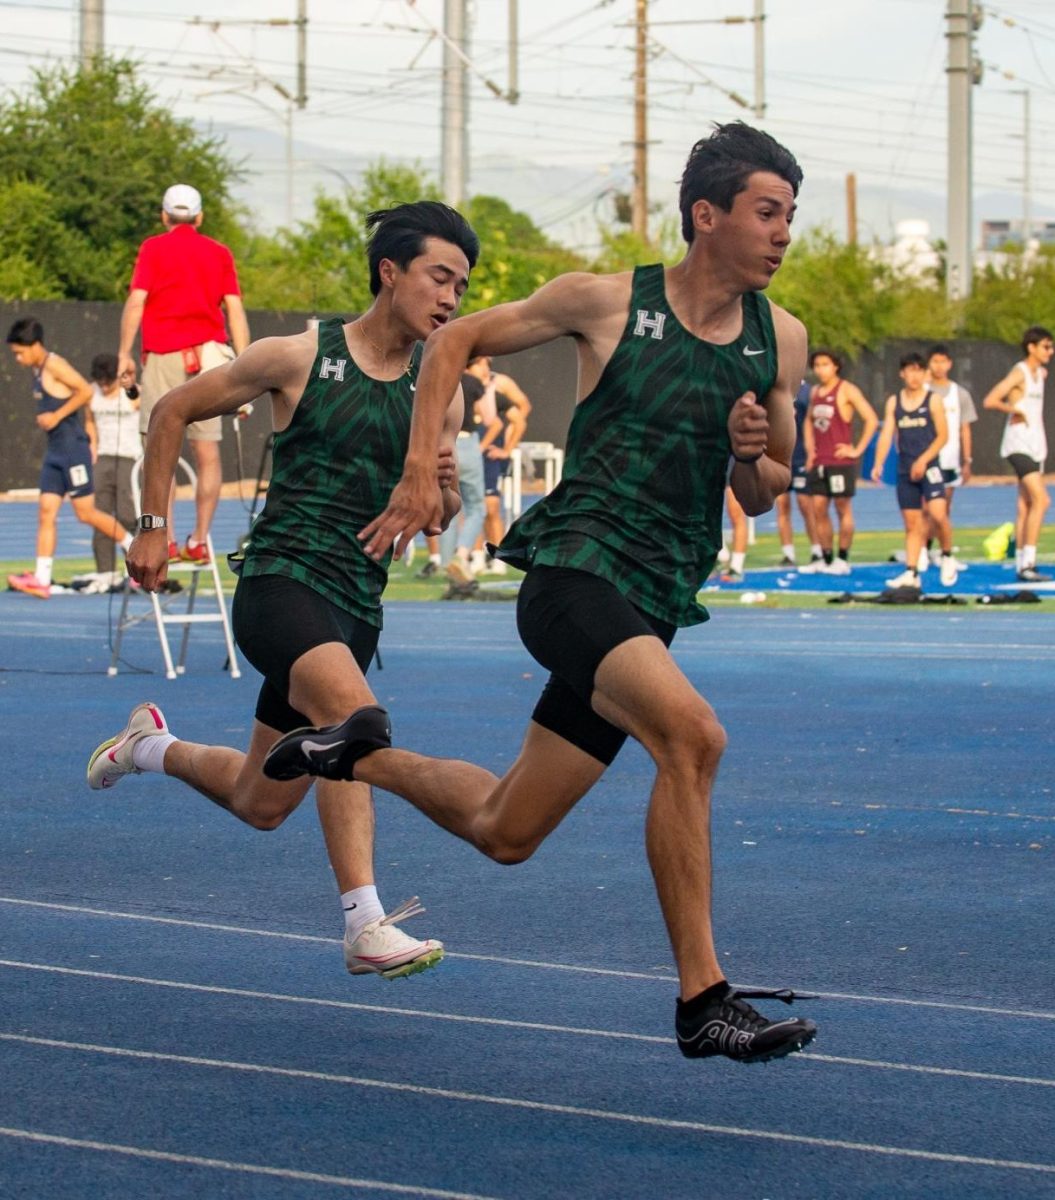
(746, 1015)
(409, 908)
(784, 994)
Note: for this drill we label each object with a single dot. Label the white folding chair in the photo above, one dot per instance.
(161, 608)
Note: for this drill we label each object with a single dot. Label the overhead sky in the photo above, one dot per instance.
(850, 86)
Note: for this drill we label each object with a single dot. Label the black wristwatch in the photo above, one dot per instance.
(149, 521)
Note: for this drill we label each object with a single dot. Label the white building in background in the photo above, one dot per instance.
(911, 252)
(1000, 237)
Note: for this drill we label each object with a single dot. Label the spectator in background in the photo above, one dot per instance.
(512, 407)
(733, 571)
(831, 456)
(182, 285)
(114, 413)
(61, 393)
(798, 486)
(459, 538)
(915, 418)
(960, 415)
(1020, 394)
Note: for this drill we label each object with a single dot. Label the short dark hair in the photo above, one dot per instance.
(25, 332)
(720, 165)
(104, 368)
(912, 359)
(825, 352)
(940, 348)
(399, 234)
(1034, 334)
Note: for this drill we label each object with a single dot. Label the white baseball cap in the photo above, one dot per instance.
(181, 200)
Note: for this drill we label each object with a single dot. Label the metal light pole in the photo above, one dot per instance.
(455, 133)
(91, 30)
(960, 16)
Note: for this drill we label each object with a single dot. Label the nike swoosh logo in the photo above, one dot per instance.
(750, 353)
(307, 747)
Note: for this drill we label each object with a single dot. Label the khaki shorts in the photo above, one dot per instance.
(163, 372)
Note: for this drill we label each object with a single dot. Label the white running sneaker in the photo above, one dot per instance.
(111, 761)
(382, 949)
(949, 573)
(816, 566)
(838, 566)
(907, 579)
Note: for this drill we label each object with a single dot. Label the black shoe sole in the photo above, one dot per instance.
(792, 1046)
(329, 752)
(796, 1042)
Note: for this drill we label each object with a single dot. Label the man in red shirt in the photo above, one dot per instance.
(182, 285)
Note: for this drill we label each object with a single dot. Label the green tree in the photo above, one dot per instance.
(321, 264)
(99, 150)
(622, 249)
(516, 257)
(843, 295)
(1007, 299)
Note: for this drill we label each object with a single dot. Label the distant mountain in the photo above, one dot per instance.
(567, 202)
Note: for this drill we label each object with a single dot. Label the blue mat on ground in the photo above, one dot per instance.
(980, 578)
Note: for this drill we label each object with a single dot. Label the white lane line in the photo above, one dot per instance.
(955, 1072)
(569, 1110)
(242, 1168)
(489, 1022)
(537, 964)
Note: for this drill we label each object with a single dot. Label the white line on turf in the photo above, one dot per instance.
(489, 1022)
(569, 1110)
(535, 964)
(242, 1168)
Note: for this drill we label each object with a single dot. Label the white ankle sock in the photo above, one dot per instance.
(789, 551)
(43, 571)
(361, 906)
(1029, 557)
(736, 561)
(148, 754)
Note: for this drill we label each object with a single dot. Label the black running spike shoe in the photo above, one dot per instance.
(330, 751)
(728, 1025)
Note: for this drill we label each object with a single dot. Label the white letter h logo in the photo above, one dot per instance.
(335, 368)
(650, 323)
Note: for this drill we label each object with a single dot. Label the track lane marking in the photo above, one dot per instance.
(242, 1168)
(570, 1110)
(537, 964)
(493, 1022)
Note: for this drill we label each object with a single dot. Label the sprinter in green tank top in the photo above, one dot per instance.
(686, 377)
(307, 609)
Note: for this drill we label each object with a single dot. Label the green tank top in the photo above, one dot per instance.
(333, 470)
(641, 500)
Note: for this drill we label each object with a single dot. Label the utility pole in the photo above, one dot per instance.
(851, 209)
(639, 200)
(91, 30)
(455, 134)
(302, 53)
(962, 19)
(1027, 186)
(760, 60)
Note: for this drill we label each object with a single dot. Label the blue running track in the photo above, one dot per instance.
(177, 1021)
